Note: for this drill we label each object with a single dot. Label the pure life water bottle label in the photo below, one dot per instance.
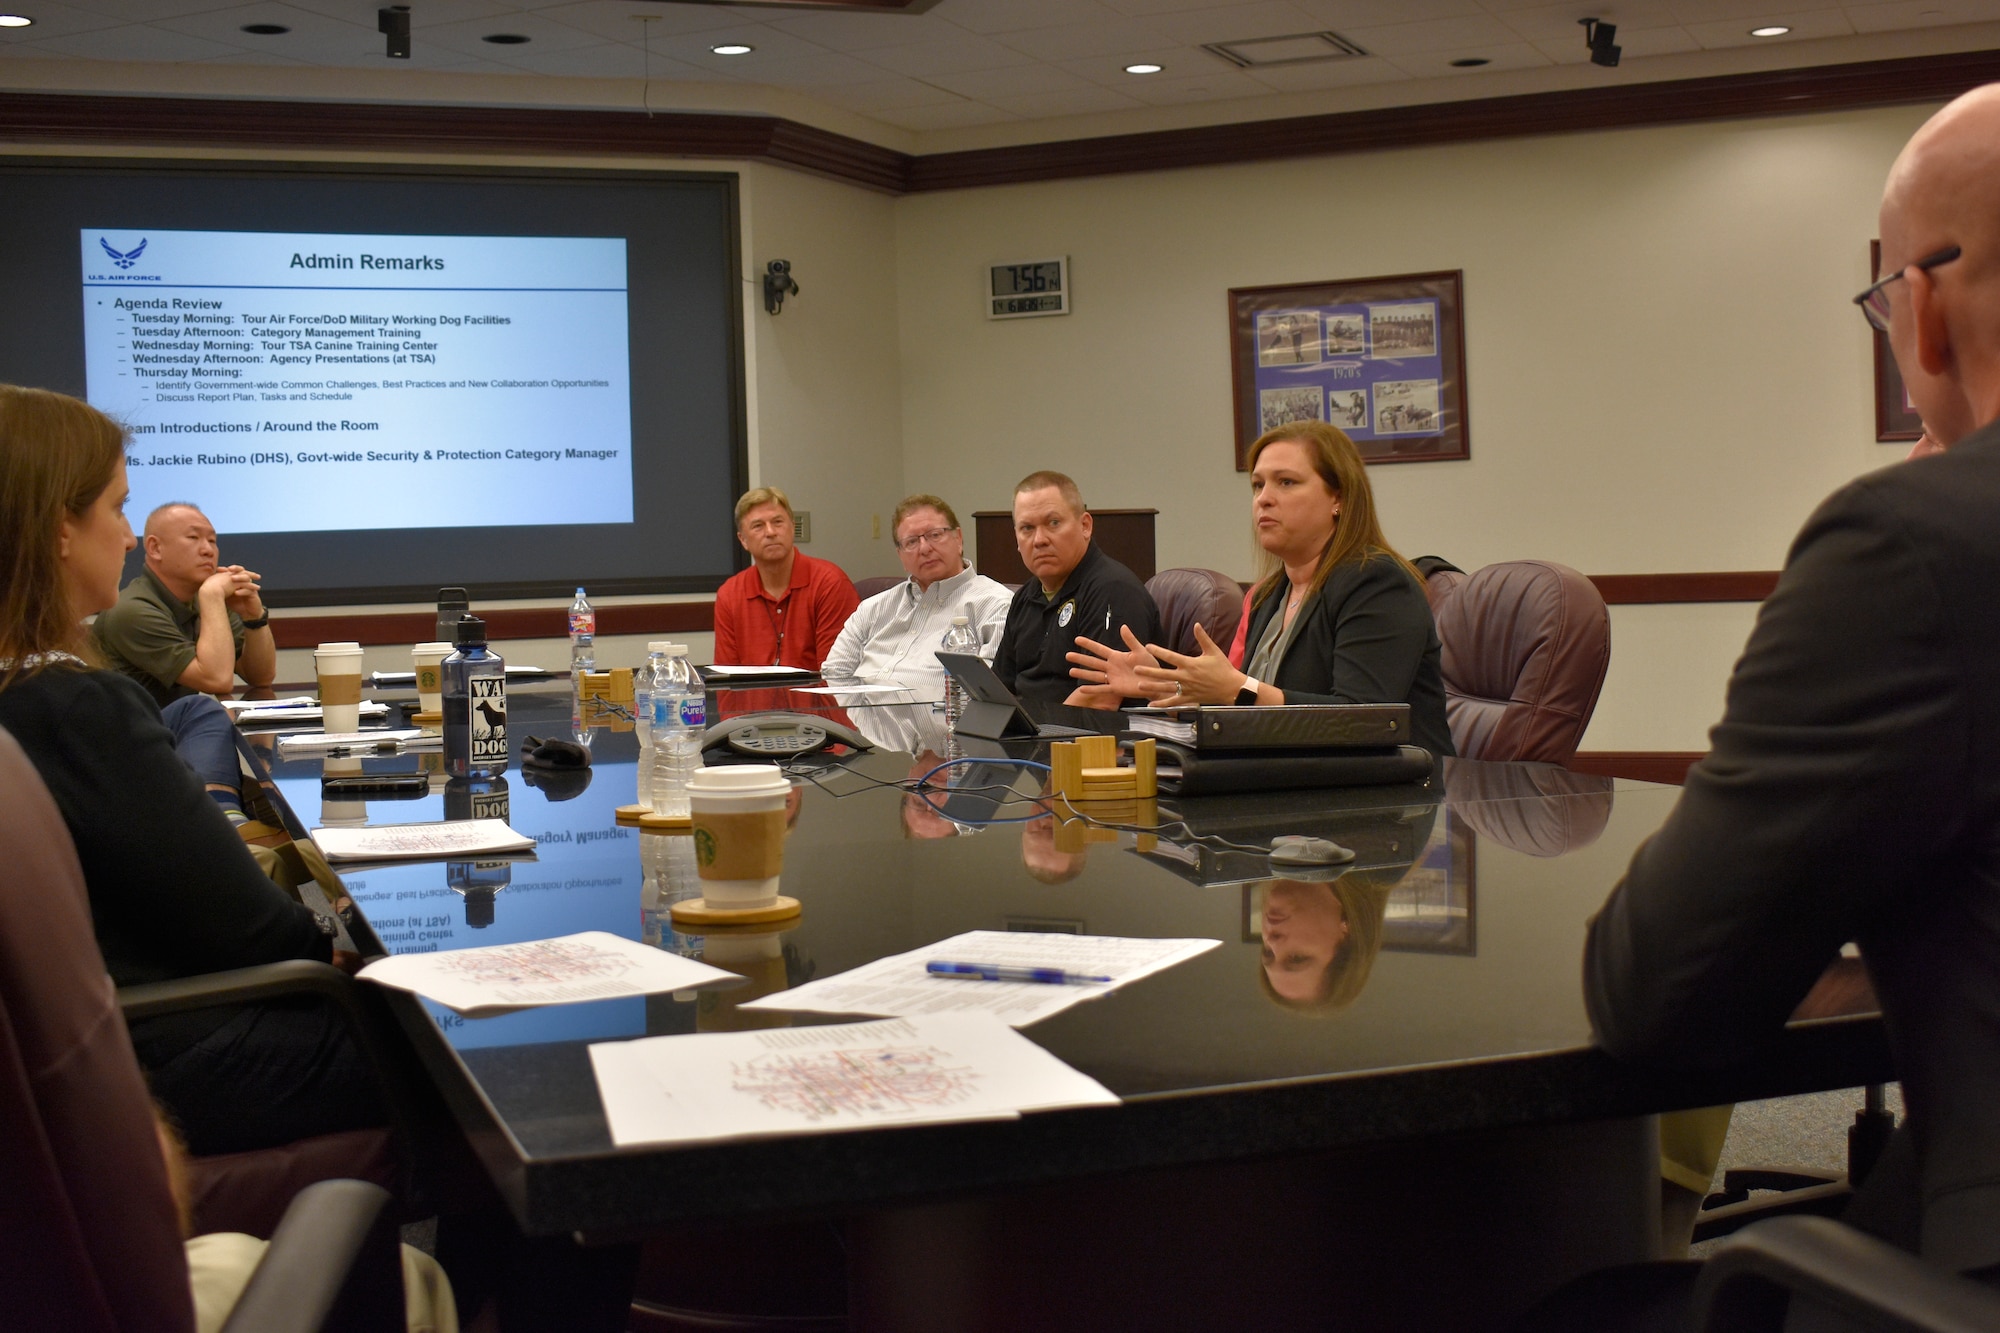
(694, 711)
(489, 718)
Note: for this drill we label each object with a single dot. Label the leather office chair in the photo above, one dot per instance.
(1441, 579)
(866, 588)
(89, 1239)
(1187, 597)
(1526, 647)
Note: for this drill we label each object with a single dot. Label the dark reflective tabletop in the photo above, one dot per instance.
(1455, 939)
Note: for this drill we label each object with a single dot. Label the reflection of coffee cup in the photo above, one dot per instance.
(339, 667)
(341, 811)
(738, 813)
(425, 657)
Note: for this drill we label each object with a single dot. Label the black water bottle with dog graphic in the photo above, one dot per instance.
(475, 705)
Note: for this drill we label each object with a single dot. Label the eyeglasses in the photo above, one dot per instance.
(935, 536)
(1874, 302)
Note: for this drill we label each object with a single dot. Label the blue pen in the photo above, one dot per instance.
(1047, 976)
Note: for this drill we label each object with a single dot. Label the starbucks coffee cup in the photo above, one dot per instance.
(339, 668)
(738, 814)
(425, 658)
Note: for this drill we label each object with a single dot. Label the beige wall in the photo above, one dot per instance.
(1665, 372)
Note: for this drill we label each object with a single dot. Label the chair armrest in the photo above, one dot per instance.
(332, 1265)
(1745, 1284)
(243, 985)
(374, 1032)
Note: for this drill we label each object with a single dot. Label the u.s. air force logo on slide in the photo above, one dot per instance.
(1063, 616)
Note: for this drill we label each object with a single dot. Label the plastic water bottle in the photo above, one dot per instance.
(475, 705)
(644, 681)
(960, 638)
(680, 715)
(582, 635)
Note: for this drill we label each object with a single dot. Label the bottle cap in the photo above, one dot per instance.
(659, 646)
(677, 650)
(469, 632)
(579, 590)
(961, 620)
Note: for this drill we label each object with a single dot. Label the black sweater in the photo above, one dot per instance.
(1368, 638)
(173, 890)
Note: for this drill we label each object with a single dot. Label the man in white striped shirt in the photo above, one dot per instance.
(895, 635)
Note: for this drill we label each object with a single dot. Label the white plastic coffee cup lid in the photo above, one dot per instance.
(445, 648)
(757, 778)
(338, 648)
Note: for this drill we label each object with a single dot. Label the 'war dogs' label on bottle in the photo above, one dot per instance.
(488, 720)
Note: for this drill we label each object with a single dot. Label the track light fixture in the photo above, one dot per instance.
(393, 22)
(1601, 38)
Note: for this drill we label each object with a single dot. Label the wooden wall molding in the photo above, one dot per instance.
(241, 123)
(533, 622)
(698, 617)
(1750, 585)
(1669, 766)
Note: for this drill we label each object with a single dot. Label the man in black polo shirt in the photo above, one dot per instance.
(1074, 589)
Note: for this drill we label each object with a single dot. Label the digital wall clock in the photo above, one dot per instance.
(1037, 287)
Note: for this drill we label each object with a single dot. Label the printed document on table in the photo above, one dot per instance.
(716, 669)
(816, 1080)
(594, 965)
(291, 710)
(440, 840)
(900, 986)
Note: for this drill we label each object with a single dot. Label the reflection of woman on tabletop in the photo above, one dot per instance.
(1320, 939)
(1338, 616)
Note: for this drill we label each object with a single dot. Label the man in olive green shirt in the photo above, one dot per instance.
(187, 625)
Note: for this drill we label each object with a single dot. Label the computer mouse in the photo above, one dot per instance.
(1296, 849)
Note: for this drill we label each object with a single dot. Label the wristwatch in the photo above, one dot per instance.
(1247, 696)
(259, 622)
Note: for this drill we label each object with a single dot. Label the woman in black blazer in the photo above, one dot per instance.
(1338, 617)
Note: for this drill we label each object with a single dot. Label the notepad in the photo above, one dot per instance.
(570, 969)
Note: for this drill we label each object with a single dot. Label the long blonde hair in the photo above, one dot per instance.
(1357, 534)
(57, 454)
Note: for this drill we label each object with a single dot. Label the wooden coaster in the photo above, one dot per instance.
(633, 813)
(697, 912)
(427, 719)
(665, 823)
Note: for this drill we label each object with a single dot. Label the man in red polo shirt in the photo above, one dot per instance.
(787, 608)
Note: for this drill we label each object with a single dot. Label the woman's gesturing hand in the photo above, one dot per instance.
(1204, 678)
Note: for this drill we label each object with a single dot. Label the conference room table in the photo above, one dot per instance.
(1435, 1150)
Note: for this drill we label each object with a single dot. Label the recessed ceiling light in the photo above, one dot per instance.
(504, 38)
(733, 49)
(265, 29)
(1142, 69)
(1470, 62)
(1775, 30)
(14, 21)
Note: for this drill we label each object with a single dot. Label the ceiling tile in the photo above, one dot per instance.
(139, 11)
(826, 69)
(885, 95)
(1544, 22)
(1223, 83)
(866, 32)
(1718, 11)
(989, 85)
(137, 41)
(1075, 41)
(1236, 23)
(993, 16)
(1143, 8)
(1085, 101)
(1327, 74)
(1457, 34)
(465, 37)
(1176, 62)
(603, 60)
(616, 21)
(258, 58)
(1921, 14)
(1736, 32)
(1344, 14)
(950, 117)
(1437, 64)
(952, 55)
(54, 21)
(308, 29)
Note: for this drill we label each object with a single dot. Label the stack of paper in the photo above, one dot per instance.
(736, 1085)
(594, 965)
(403, 738)
(304, 708)
(441, 840)
(900, 985)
